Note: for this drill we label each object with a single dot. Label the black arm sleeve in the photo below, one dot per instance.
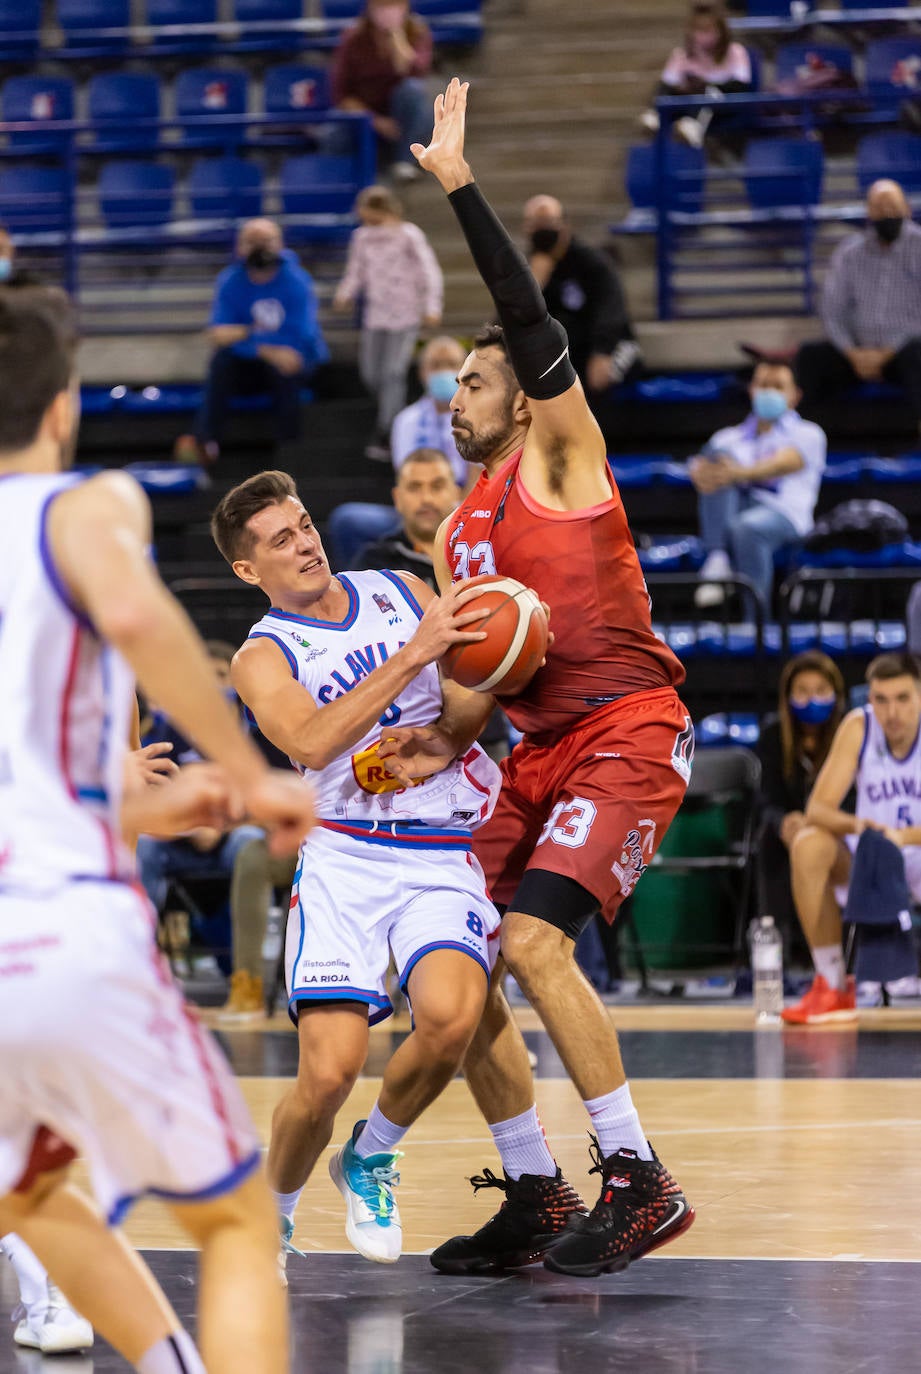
(537, 344)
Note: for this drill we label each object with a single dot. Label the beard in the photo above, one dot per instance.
(478, 448)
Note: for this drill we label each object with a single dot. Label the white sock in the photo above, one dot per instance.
(829, 961)
(31, 1276)
(175, 1354)
(286, 1202)
(523, 1146)
(616, 1123)
(379, 1136)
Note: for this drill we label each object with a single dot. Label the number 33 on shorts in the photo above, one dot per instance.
(569, 823)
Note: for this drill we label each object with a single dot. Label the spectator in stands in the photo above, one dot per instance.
(391, 266)
(256, 875)
(871, 306)
(266, 335)
(377, 68)
(757, 486)
(707, 63)
(584, 293)
(427, 422)
(425, 494)
(792, 747)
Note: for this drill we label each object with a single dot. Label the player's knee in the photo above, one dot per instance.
(812, 849)
(531, 948)
(322, 1087)
(446, 1033)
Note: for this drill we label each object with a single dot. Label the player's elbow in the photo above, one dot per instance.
(126, 622)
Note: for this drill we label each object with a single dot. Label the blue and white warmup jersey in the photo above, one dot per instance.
(330, 659)
(65, 709)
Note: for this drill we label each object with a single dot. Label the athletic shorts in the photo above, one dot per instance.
(363, 892)
(98, 1049)
(595, 805)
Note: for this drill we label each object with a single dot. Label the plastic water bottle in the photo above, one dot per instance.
(767, 969)
(274, 935)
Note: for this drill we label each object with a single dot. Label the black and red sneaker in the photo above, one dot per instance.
(532, 1217)
(641, 1207)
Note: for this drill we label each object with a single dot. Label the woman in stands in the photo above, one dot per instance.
(792, 748)
(707, 63)
(377, 69)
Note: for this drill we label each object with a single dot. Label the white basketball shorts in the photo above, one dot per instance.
(362, 891)
(98, 1046)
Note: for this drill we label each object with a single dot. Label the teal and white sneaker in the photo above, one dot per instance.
(372, 1222)
(286, 1247)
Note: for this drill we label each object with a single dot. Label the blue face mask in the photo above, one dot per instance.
(6, 269)
(442, 386)
(768, 404)
(815, 711)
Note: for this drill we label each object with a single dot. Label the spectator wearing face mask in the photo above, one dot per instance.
(583, 292)
(266, 335)
(378, 69)
(427, 422)
(708, 62)
(757, 485)
(871, 307)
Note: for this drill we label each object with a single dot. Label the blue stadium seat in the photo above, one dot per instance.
(768, 9)
(34, 199)
(317, 183)
(783, 172)
(80, 20)
(22, 18)
(293, 86)
(685, 174)
(891, 153)
(133, 193)
(872, 4)
(117, 100)
(893, 69)
(341, 9)
(211, 91)
(225, 188)
(37, 100)
(265, 11)
(355, 524)
(172, 12)
(793, 57)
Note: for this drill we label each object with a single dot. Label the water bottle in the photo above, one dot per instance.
(274, 935)
(767, 969)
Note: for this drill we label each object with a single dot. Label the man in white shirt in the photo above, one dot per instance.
(757, 483)
(427, 422)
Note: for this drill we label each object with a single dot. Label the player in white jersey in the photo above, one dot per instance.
(98, 1055)
(331, 665)
(877, 750)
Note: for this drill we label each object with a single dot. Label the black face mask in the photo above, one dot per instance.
(262, 259)
(888, 229)
(544, 240)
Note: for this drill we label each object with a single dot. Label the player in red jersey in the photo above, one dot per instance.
(589, 793)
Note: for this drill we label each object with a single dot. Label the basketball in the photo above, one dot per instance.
(516, 639)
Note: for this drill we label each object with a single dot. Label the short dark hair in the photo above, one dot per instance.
(229, 521)
(38, 341)
(424, 455)
(493, 336)
(899, 663)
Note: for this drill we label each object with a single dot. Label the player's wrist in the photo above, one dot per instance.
(455, 175)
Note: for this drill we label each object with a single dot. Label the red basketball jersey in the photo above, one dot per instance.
(584, 565)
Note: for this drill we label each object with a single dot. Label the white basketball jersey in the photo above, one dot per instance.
(888, 789)
(331, 658)
(65, 710)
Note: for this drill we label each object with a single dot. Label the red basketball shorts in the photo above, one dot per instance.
(595, 805)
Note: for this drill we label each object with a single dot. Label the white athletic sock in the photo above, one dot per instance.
(523, 1146)
(30, 1275)
(175, 1354)
(829, 961)
(616, 1123)
(286, 1202)
(379, 1136)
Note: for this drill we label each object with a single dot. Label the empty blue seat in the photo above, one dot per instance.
(294, 86)
(133, 193)
(117, 100)
(82, 19)
(341, 9)
(37, 100)
(685, 172)
(225, 188)
(893, 69)
(783, 172)
(794, 59)
(893, 153)
(34, 199)
(20, 22)
(318, 183)
(267, 11)
(170, 13)
(768, 9)
(202, 91)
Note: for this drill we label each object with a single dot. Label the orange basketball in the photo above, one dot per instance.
(516, 639)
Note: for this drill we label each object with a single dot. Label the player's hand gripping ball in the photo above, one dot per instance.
(516, 639)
